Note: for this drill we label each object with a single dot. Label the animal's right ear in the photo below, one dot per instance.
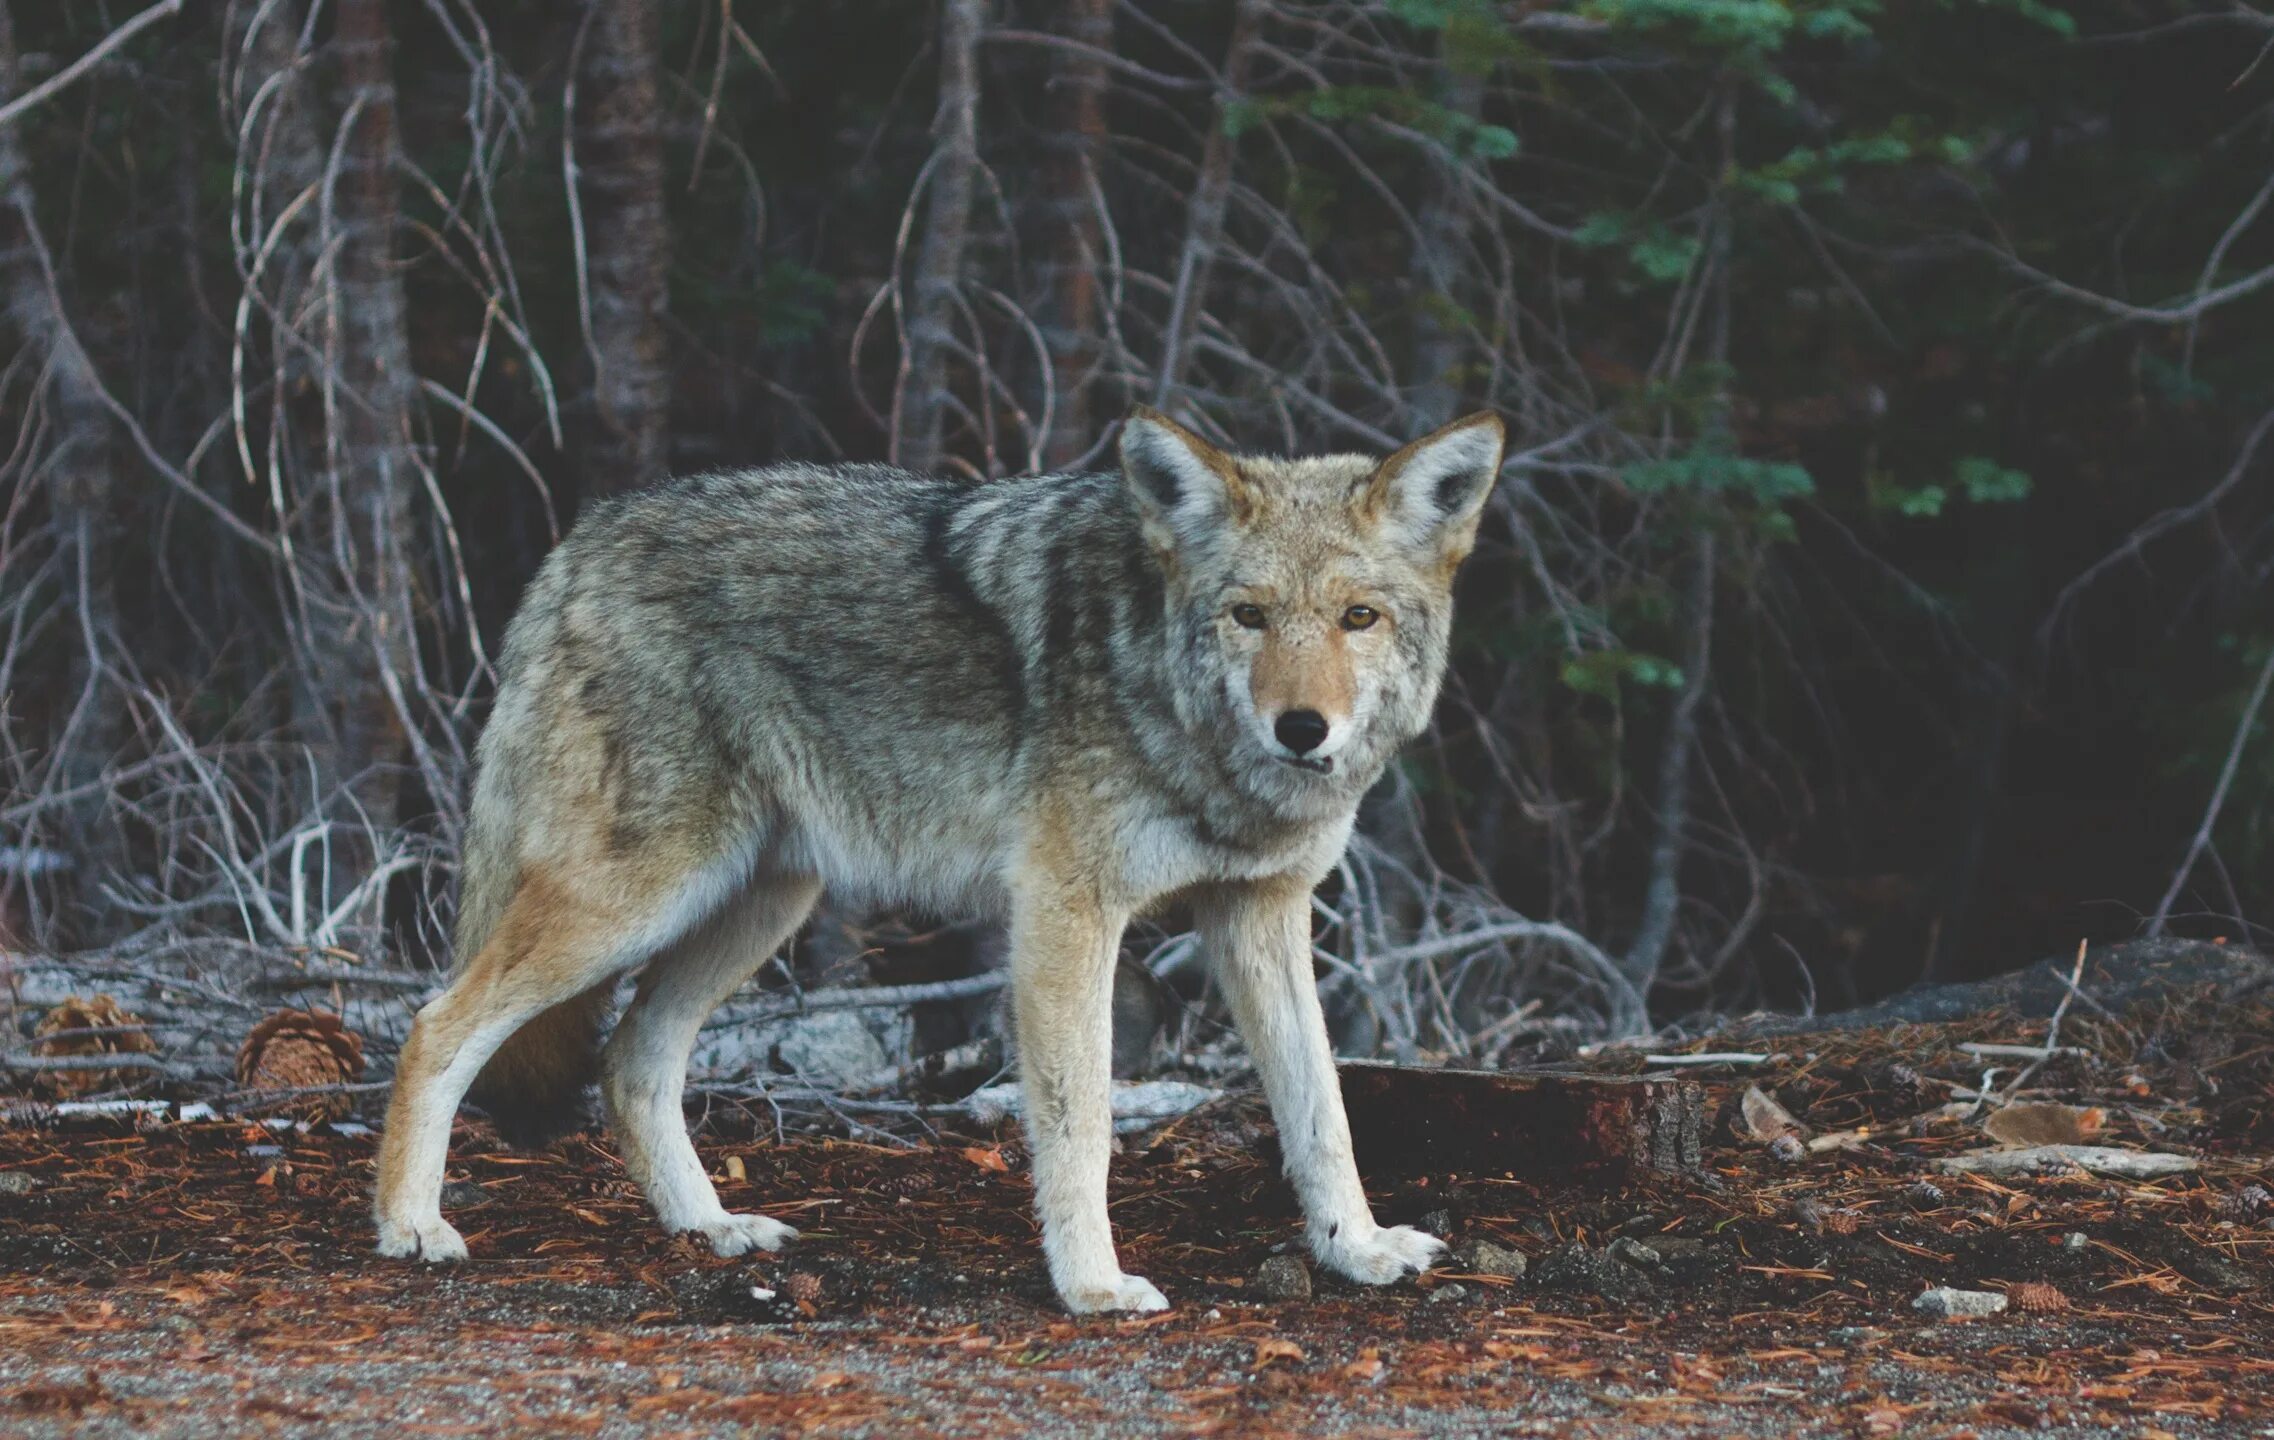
(1184, 486)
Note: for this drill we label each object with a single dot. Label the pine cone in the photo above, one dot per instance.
(2036, 1297)
(802, 1286)
(296, 1048)
(99, 1012)
(1906, 1088)
(2245, 1205)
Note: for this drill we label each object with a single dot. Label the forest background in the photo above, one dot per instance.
(1878, 590)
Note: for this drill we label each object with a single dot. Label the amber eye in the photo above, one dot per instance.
(1359, 617)
(1249, 615)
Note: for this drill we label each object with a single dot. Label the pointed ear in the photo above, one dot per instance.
(1434, 490)
(1184, 486)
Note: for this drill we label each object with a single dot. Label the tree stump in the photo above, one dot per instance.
(1543, 1124)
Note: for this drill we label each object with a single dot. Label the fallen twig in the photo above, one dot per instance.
(2020, 1052)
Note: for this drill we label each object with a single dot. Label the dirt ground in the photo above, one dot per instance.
(194, 1279)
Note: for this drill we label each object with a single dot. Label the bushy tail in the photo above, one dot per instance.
(533, 1087)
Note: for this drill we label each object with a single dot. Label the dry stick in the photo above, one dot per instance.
(127, 1061)
(856, 997)
(2162, 523)
(2202, 840)
(1204, 220)
(2053, 1029)
(160, 11)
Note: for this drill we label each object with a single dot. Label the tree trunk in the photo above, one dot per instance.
(1662, 896)
(360, 616)
(1204, 218)
(1073, 239)
(77, 470)
(921, 400)
(619, 140)
(1438, 265)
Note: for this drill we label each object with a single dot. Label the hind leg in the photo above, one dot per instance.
(643, 1070)
(553, 942)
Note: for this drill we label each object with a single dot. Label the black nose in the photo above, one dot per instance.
(1301, 731)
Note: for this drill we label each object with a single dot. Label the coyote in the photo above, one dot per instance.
(1060, 700)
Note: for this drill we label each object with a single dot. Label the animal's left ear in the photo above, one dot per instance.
(1433, 491)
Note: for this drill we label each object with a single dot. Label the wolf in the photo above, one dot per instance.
(1060, 701)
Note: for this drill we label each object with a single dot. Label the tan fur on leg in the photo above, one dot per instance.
(1063, 944)
(553, 942)
(644, 1067)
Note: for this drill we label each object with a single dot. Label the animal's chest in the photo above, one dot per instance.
(1158, 854)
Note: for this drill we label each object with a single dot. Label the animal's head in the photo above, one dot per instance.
(1312, 596)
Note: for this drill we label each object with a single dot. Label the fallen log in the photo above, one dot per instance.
(1551, 1124)
(2060, 1159)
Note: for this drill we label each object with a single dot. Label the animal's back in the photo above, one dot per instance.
(839, 653)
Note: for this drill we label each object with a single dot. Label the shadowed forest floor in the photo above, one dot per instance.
(216, 1278)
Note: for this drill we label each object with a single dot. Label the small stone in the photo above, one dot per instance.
(1944, 1303)
(1788, 1150)
(2074, 1242)
(1437, 1222)
(17, 1182)
(1282, 1277)
(1578, 1270)
(1924, 1195)
(1450, 1290)
(1482, 1257)
(1631, 1251)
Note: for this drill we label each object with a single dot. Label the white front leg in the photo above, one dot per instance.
(1259, 938)
(1063, 946)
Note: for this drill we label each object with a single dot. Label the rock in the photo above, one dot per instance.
(1945, 1303)
(1282, 1278)
(2224, 1276)
(1450, 1290)
(1482, 1257)
(1788, 1149)
(17, 1182)
(1924, 1195)
(1437, 1222)
(830, 1047)
(1630, 1251)
(2075, 1242)
(1578, 1270)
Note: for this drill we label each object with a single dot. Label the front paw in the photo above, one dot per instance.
(1123, 1292)
(1378, 1254)
(431, 1239)
(732, 1235)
